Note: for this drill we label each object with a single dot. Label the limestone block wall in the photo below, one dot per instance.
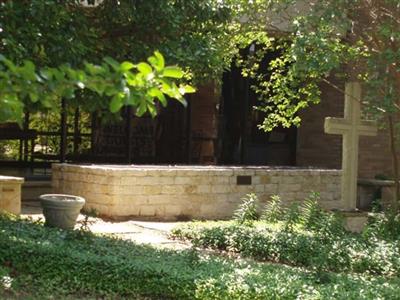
(10, 194)
(174, 193)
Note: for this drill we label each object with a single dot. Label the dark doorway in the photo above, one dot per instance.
(242, 141)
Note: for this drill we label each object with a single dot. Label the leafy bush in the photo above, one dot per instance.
(307, 236)
(46, 263)
(247, 211)
(345, 252)
(384, 225)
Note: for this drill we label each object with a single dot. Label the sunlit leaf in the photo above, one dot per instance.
(172, 72)
(144, 68)
(126, 66)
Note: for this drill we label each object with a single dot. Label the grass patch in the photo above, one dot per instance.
(41, 263)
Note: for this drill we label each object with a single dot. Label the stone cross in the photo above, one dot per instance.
(351, 127)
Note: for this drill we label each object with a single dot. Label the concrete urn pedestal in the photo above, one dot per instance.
(355, 221)
(10, 194)
(60, 210)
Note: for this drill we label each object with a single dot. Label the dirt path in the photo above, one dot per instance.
(142, 232)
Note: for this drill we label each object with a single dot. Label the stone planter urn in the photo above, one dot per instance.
(60, 210)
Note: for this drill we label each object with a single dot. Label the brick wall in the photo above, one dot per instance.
(171, 193)
(204, 127)
(314, 146)
(318, 149)
(375, 158)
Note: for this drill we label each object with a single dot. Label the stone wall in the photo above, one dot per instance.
(177, 193)
(10, 194)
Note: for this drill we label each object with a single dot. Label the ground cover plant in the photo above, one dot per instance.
(42, 263)
(304, 236)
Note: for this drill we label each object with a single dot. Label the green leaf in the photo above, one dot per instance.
(157, 61)
(187, 89)
(142, 109)
(28, 70)
(132, 100)
(160, 58)
(155, 92)
(126, 66)
(152, 109)
(93, 69)
(46, 74)
(144, 68)
(110, 90)
(116, 103)
(173, 72)
(165, 85)
(69, 93)
(34, 97)
(182, 101)
(11, 66)
(112, 62)
(97, 87)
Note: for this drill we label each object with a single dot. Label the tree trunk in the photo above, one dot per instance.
(393, 148)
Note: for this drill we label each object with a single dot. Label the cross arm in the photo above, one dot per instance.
(341, 126)
(368, 128)
(336, 125)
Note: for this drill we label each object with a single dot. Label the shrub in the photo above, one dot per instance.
(321, 252)
(308, 236)
(383, 225)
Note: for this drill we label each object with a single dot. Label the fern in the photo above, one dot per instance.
(311, 213)
(247, 210)
(291, 217)
(273, 211)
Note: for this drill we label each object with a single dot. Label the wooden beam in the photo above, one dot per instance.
(63, 131)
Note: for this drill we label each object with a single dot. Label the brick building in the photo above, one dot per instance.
(219, 127)
(308, 145)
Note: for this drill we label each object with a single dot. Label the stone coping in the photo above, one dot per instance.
(352, 213)
(39, 183)
(375, 182)
(11, 179)
(191, 168)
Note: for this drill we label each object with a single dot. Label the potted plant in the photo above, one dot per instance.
(60, 210)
